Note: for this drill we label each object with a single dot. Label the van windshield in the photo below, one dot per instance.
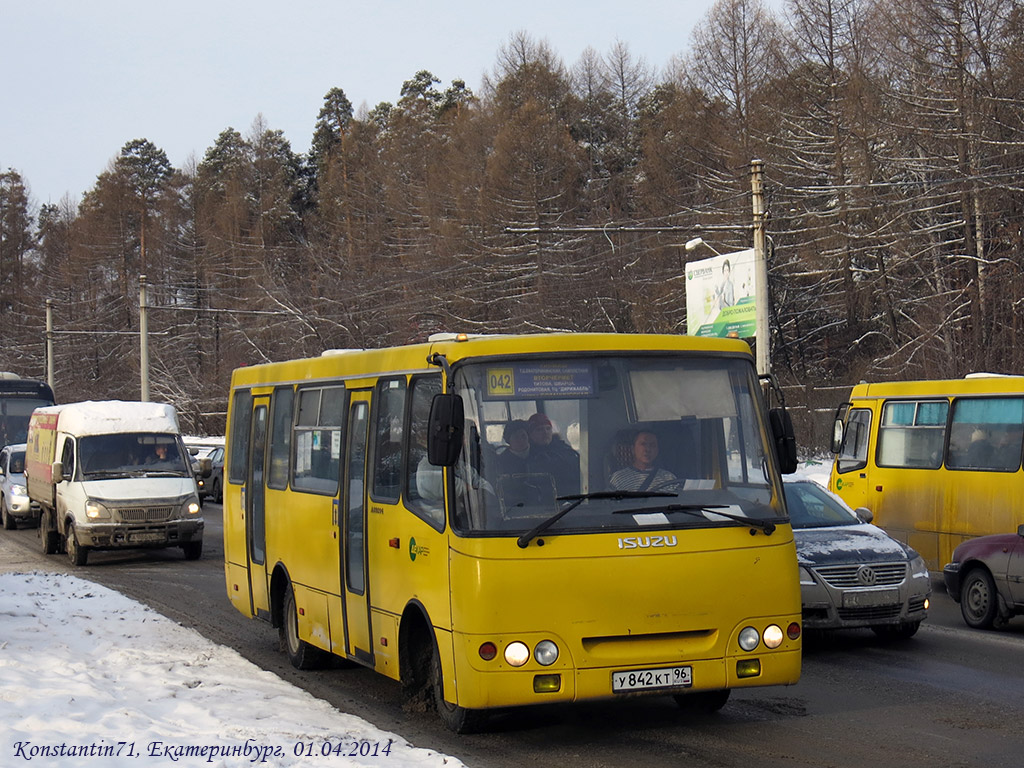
(131, 454)
(676, 434)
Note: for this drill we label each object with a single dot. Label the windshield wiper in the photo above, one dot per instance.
(698, 510)
(577, 499)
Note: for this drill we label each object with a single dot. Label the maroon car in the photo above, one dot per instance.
(987, 578)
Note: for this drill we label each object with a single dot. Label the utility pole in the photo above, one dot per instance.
(762, 333)
(49, 342)
(143, 341)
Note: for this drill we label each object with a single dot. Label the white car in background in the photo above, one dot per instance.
(15, 504)
(853, 574)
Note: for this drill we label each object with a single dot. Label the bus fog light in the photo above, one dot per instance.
(546, 653)
(773, 636)
(547, 683)
(517, 654)
(748, 668)
(748, 638)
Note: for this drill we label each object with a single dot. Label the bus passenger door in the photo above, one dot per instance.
(255, 533)
(355, 588)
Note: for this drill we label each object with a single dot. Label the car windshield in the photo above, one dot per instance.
(628, 442)
(811, 506)
(130, 454)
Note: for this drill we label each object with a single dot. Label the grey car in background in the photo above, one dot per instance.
(15, 505)
(853, 574)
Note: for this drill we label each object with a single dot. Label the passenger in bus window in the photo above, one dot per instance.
(643, 474)
(514, 458)
(555, 456)
(979, 452)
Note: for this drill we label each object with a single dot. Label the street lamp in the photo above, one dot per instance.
(697, 242)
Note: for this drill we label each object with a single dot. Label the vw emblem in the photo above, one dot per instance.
(866, 575)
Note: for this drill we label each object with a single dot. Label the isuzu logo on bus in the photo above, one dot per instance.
(646, 542)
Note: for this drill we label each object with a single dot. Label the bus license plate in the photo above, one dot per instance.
(648, 679)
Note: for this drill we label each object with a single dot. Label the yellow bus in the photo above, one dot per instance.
(936, 462)
(385, 506)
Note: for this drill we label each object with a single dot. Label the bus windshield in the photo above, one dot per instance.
(633, 443)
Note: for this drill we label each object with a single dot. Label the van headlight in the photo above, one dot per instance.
(96, 511)
(190, 508)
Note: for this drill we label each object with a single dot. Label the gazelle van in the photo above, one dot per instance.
(112, 475)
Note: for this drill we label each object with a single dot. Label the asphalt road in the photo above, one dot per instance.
(950, 696)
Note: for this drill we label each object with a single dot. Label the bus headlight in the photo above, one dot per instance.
(546, 653)
(96, 511)
(773, 636)
(517, 654)
(749, 638)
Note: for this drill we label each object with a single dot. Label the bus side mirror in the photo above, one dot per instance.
(784, 439)
(838, 432)
(444, 430)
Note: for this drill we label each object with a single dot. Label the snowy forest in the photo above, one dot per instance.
(559, 197)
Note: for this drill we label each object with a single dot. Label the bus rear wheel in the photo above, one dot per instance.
(457, 719)
(301, 654)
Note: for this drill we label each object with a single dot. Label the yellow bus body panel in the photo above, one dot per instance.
(932, 510)
(610, 609)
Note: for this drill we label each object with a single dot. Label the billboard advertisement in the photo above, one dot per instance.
(720, 295)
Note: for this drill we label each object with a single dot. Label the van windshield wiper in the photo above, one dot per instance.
(577, 499)
(698, 510)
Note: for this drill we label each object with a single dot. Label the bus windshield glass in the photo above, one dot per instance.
(633, 443)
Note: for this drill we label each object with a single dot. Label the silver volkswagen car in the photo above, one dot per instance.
(853, 574)
(15, 505)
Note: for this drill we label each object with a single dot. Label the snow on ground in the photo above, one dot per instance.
(89, 677)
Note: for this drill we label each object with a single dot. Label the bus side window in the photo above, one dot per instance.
(854, 452)
(986, 433)
(280, 437)
(424, 483)
(389, 404)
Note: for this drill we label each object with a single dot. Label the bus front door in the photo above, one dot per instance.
(355, 587)
(254, 509)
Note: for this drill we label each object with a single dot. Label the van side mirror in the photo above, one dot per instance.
(444, 430)
(57, 472)
(784, 439)
(205, 467)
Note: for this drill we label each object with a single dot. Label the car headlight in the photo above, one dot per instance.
(96, 511)
(19, 490)
(918, 568)
(805, 576)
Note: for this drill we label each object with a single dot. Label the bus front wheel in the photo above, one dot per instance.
(978, 601)
(705, 701)
(457, 719)
(301, 654)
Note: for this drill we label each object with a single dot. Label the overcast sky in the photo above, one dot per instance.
(83, 77)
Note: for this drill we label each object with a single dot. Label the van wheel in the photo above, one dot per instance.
(193, 550)
(47, 537)
(456, 718)
(77, 554)
(301, 654)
